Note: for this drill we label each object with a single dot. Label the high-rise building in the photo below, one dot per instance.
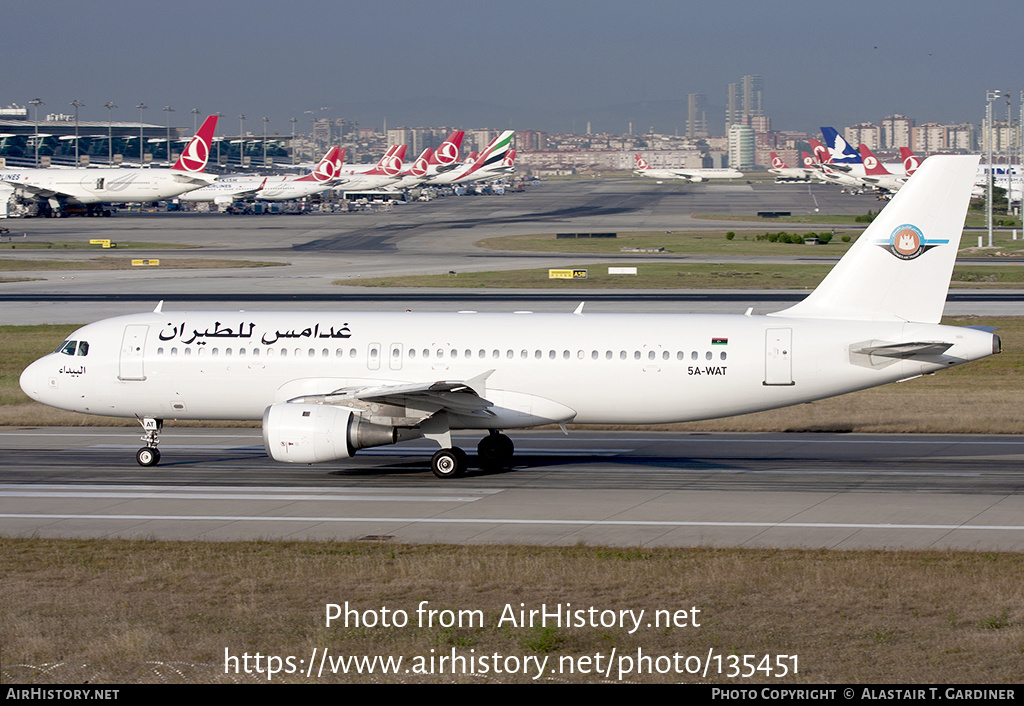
(696, 116)
(753, 95)
(732, 106)
(896, 131)
(864, 133)
(741, 147)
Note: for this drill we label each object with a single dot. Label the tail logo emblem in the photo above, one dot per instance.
(391, 165)
(870, 162)
(195, 155)
(910, 164)
(907, 242)
(325, 171)
(777, 162)
(447, 153)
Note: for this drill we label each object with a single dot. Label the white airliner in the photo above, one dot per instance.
(644, 169)
(94, 187)
(876, 175)
(328, 384)
(366, 177)
(784, 173)
(229, 189)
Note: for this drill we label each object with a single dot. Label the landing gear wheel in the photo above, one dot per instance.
(449, 463)
(147, 456)
(495, 451)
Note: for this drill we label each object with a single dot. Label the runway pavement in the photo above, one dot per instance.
(621, 488)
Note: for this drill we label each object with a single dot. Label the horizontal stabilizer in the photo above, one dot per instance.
(925, 349)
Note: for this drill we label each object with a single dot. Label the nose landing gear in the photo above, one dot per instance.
(149, 455)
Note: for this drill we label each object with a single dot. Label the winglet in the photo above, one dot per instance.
(159, 307)
(579, 309)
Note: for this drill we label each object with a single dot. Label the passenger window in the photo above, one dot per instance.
(722, 356)
(509, 353)
(241, 352)
(524, 354)
(481, 353)
(679, 355)
(160, 351)
(636, 355)
(622, 355)
(174, 352)
(707, 356)
(551, 355)
(412, 352)
(607, 355)
(650, 355)
(664, 355)
(188, 352)
(284, 352)
(255, 352)
(693, 355)
(339, 353)
(455, 353)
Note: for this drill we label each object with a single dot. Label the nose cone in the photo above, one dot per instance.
(31, 380)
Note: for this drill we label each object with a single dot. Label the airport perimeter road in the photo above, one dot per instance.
(654, 489)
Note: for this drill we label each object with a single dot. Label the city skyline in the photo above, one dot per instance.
(527, 66)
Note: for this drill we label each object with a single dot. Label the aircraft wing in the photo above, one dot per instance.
(34, 190)
(462, 397)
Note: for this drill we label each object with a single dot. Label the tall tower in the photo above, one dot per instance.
(732, 106)
(696, 115)
(753, 95)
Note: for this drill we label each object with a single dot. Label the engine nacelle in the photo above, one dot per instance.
(311, 433)
(696, 179)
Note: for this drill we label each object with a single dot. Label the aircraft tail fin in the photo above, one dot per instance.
(777, 162)
(841, 150)
(808, 161)
(910, 160)
(899, 268)
(327, 169)
(422, 164)
(193, 159)
(821, 152)
(872, 167)
(391, 162)
(448, 151)
(641, 163)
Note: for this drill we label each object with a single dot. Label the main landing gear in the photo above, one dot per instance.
(493, 452)
(149, 455)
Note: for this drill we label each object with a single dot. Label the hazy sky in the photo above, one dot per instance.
(539, 64)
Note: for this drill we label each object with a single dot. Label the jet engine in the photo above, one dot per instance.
(311, 433)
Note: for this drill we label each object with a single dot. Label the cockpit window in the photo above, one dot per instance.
(83, 348)
(67, 348)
